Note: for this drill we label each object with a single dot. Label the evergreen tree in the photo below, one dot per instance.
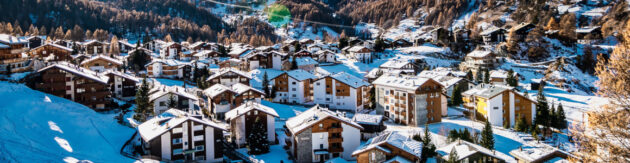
(466, 135)
(486, 76)
(172, 103)
(542, 109)
(8, 69)
(511, 79)
(560, 118)
(294, 65)
(143, 106)
(487, 139)
(452, 157)
(273, 92)
(521, 124)
(257, 139)
(457, 96)
(535, 131)
(265, 84)
(428, 149)
(379, 45)
(343, 42)
(453, 135)
(469, 75)
(297, 46)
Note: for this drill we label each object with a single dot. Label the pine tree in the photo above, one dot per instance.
(172, 103)
(265, 84)
(487, 139)
(294, 65)
(486, 76)
(560, 118)
(457, 95)
(521, 124)
(143, 107)
(535, 131)
(511, 79)
(469, 75)
(257, 139)
(479, 75)
(542, 109)
(428, 148)
(452, 157)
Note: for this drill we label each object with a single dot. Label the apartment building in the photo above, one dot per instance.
(101, 63)
(122, 85)
(229, 77)
(360, 53)
(389, 147)
(342, 91)
(409, 100)
(484, 59)
(177, 136)
(94, 47)
(52, 52)
(319, 134)
(168, 68)
(499, 104)
(294, 87)
(12, 56)
(170, 50)
(244, 118)
(75, 83)
(219, 99)
(160, 96)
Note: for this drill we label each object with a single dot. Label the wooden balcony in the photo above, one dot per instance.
(335, 140)
(335, 129)
(335, 149)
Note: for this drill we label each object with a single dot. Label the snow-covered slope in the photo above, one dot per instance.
(38, 127)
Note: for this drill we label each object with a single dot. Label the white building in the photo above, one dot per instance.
(243, 118)
(176, 135)
(341, 91)
(319, 134)
(294, 87)
(360, 53)
(160, 96)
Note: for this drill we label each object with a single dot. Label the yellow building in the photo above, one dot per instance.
(498, 104)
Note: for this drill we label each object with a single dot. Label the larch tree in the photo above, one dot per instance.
(606, 137)
(552, 24)
(168, 38)
(114, 47)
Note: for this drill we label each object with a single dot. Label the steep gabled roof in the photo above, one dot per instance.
(216, 90)
(465, 149)
(166, 121)
(244, 108)
(314, 115)
(161, 90)
(350, 80)
(226, 70)
(394, 139)
(109, 59)
(77, 70)
(300, 75)
(123, 75)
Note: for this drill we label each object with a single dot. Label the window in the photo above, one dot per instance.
(387, 92)
(177, 151)
(294, 95)
(293, 83)
(496, 108)
(68, 88)
(317, 83)
(177, 141)
(80, 90)
(321, 146)
(387, 107)
(199, 148)
(321, 125)
(162, 103)
(119, 85)
(327, 99)
(185, 102)
(293, 89)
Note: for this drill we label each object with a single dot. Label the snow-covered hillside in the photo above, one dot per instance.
(38, 127)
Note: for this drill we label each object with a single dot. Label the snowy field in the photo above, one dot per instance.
(38, 127)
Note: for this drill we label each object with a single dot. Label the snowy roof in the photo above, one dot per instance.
(395, 64)
(166, 121)
(124, 75)
(240, 88)
(161, 90)
(313, 115)
(57, 46)
(401, 81)
(91, 42)
(126, 43)
(77, 70)
(226, 70)
(398, 159)
(324, 52)
(350, 80)
(203, 53)
(487, 90)
(8, 39)
(491, 30)
(367, 119)
(586, 29)
(216, 90)
(301, 61)
(168, 62)
(240, 52)
(479, 53)
(244, 108)
(4, 46)
(300, 74)
(198, 43)
(394, 139)
(356, 48)
(500, 74)
(109, 59)
(536, 152)
(465, 149)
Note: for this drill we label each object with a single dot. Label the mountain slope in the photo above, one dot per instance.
(38, 127)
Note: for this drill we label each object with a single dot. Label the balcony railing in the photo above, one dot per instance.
(335, 140)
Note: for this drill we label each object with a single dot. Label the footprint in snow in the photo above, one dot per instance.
(47, 99)
(63, 143)
(54, 127)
